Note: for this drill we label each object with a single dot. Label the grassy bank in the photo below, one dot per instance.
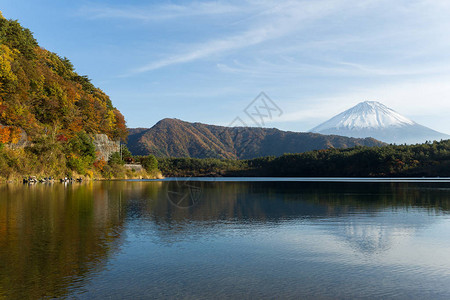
(48, 156)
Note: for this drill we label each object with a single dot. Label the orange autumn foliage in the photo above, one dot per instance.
(4, 135)
(9, 134)
(40, 90)
(100, 164)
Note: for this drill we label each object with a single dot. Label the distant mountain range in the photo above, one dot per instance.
(373, 119)
(176, 138)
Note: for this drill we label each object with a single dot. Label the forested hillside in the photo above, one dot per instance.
(48, 112)
(176, 138)
(428, 159)
(40, 92)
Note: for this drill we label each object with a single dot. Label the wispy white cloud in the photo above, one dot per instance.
(279, 21)
(159, 12)
(246, 39)
(289, 68)
(268, 22)
(332, 54)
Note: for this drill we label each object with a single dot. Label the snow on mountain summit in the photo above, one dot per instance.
(368, 114)
(373, 119)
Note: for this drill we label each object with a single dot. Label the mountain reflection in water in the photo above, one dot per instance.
(61, 240)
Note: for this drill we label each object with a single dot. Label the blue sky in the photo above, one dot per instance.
(206, 61)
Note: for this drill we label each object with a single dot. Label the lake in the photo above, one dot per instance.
(226, 238)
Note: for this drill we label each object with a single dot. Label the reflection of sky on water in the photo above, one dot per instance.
(364, 238)
(270, 240)
(365, 219)
(383, 254)
(241, 240)
(391, 236)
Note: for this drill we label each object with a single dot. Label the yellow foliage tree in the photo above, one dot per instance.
(7, 77)
(15, 135)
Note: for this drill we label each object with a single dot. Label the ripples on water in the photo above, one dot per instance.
(225, 240)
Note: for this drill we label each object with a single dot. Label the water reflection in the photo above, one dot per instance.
(55, 238)
(51, 236)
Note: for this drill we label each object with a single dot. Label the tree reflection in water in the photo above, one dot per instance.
(55, 238)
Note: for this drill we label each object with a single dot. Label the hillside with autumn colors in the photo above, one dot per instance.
(49, 114)
(40, 92)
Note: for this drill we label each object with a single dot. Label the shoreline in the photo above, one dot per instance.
(255, 179)
(19, 180)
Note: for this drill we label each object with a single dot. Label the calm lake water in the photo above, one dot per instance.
(226, 239)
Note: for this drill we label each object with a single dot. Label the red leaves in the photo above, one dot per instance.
(61, 138)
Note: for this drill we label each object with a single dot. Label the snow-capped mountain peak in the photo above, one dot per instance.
(373, 119)
(368, 114)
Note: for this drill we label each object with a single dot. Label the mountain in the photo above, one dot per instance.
(373, 119)
(41, 92)
(53, 121)
(176, 138)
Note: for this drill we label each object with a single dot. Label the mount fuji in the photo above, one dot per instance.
(373, 119)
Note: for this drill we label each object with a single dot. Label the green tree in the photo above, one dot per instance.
(126, 154)
(82, 145)
(14, 35)
(115, 159)
(150, 163)
(80, 153)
